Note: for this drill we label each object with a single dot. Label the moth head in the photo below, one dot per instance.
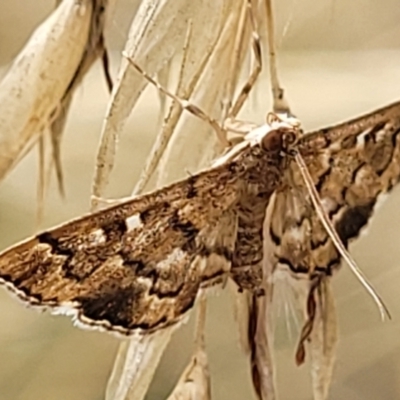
(283, 133)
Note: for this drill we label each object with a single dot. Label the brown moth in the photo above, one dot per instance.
(138, 266)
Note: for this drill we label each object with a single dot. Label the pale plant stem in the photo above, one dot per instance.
(280, 104)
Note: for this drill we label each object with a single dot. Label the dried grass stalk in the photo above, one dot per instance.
(135, 365)
(157, 33)
(323, 341)
(209, 93)
(36, 92)
(195, 381)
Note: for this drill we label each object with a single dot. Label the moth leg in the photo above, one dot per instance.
(186, 105)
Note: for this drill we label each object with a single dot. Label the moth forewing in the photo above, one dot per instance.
(350, 165)
(144, 276)
(98, 266)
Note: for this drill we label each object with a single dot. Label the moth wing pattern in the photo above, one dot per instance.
(134, 267)
(352, 165)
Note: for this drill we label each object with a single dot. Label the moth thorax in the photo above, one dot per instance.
(278, 140)
(272, 141)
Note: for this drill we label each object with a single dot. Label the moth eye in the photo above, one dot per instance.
(272, 141)
(289, 137)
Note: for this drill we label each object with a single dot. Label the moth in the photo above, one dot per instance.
(138, 266)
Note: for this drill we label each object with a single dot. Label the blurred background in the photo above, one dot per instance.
(337, 59)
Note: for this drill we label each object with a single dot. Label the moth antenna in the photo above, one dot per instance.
(324, 218)
(186, 105)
